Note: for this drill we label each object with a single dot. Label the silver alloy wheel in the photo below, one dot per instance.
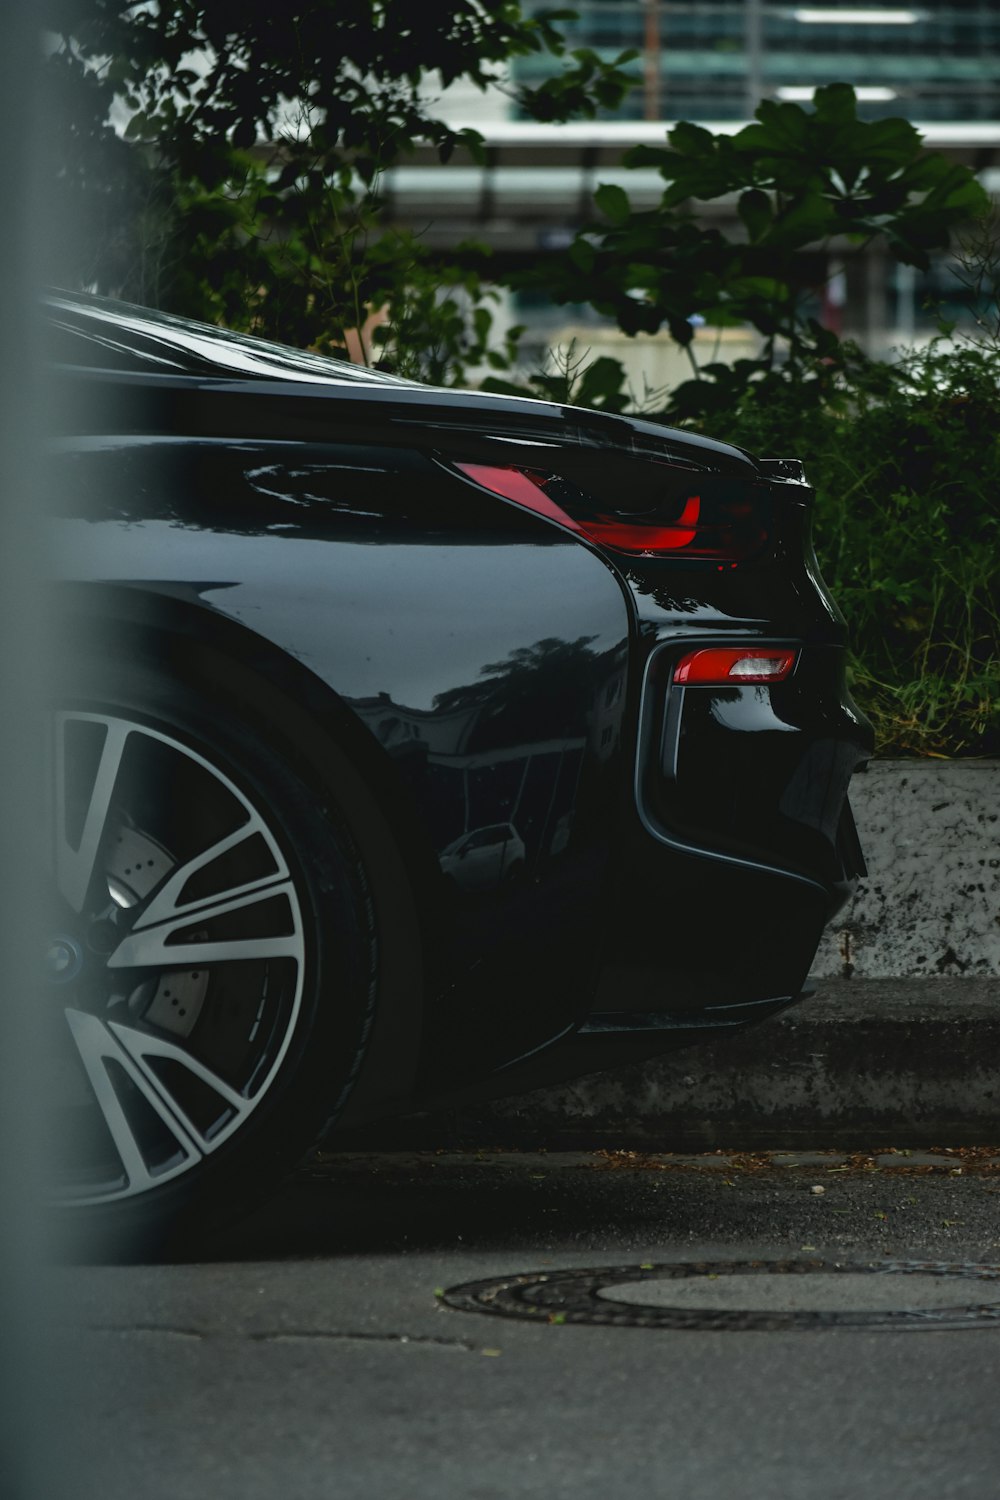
(177, 956)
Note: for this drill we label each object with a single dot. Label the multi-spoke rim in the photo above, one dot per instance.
(177, 957)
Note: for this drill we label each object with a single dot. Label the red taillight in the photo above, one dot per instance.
(734, 666)
(627, 536)
(721, 522)
(515, 485)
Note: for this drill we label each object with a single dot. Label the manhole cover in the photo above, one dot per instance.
(754, 1295)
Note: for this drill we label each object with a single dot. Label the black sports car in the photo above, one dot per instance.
(410, 745)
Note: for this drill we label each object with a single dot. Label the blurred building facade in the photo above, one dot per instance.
(712, 61)
(716, 59)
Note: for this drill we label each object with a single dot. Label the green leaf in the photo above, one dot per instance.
(756, 212)
(968, 198)
(812, 218)
(289, 174)
(502, 387)
(613, 202)
(835, 104)
(582, 254)
(893, 140)
(646, 156)
(781, 128)
(601, 385)
(691, 140)
(245, 134)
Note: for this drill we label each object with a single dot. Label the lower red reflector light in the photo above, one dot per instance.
(732, 666)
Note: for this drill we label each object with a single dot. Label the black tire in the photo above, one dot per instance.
(214, 1075)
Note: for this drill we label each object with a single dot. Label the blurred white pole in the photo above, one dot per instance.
(29, 1416)
(906, 304)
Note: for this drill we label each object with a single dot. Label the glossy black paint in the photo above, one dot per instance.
(649, 860)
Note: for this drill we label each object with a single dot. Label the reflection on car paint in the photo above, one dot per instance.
(748, 710)
(473, 760)
(484, 857)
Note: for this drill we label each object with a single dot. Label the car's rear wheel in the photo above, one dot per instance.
(211, 959)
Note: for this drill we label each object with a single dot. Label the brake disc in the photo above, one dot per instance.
(173, 1000)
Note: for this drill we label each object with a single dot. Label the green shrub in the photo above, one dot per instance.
(904, 457)
(905, 460)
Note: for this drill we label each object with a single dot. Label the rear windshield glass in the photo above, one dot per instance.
(105, 335)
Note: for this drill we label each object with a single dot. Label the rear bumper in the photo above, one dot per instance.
(744, 845)
(755, 775)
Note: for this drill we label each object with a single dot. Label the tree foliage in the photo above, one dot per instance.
(903, 456)
(803, 181)
(906, 465)
(226, 154)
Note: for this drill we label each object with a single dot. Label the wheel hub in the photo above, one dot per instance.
(63, 959)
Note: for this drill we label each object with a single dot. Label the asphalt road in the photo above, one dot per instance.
(313, 1357)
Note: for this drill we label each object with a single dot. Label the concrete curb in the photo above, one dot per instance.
(863, 1065)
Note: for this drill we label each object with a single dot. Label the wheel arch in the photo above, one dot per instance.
(301, 716)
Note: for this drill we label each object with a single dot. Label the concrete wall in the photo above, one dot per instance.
(931, 905)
